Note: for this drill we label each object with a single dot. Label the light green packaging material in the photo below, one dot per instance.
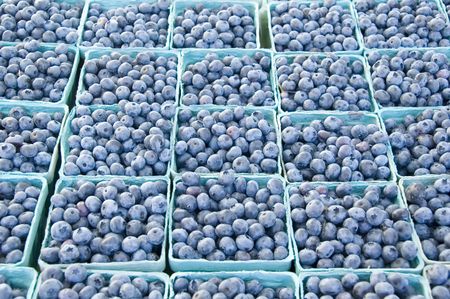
(149, 277)
(68, 90)
(399, 115)
(31, 247)
(392, 53)
(427, 281)
(177, 264)
(343, 3)
(267, 279)
(349, 118)
(291, 57)
(108, 4)
(365, 49)
(30, 108)
(21, 278)
(67, 132)
(192, 56)
(145, 266)
(80, 26)
(98, 52)
(426, 180)
(269, 115)
(357, 189)
(416, 281)
(180, 5)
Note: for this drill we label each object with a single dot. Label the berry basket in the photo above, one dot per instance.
(357, 188)
(111, 5)
(192, 56)
(267, 279)
(399, 115)
(391, 53)
(267, 21)
(363, 44)
(31, 244)
(180, 5)
(291, 57)
(21, 277)
(350, 118)
(67, 132)
(426, 180)
(6, 106)
(68, 90)
(269, 115)
(80, 26)
(177, 264)
(149, 277)
(417, 281)
(98, 52)
(144, 266)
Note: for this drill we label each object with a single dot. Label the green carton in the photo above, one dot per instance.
(6, 106)
(21, 278)
(269, 115)
(144, 266)
(98, 52)
(177, 264)
(349, 118)
(180, 5)
(357, 188)
(196, 55)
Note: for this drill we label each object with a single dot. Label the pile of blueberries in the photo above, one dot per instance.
(226, 26)
(315, 82)
(410, 78)
(350, 285)
(143, 25)
(331, 150)
(344, 227)
(77, 282)
(229, 287)
(421, 143)
(108, 221)
(48, 21)
(28, 140)
(28, 72)
(439, 277)
(133, 141)
(429, 208)
(402, 23)
(9, 291)
(147, 77)
(238, 139)
(325, 26)
(241, 79)
(229, 218)
(17, 205)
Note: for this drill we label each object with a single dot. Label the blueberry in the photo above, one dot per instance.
(314, 27)
(117, 221)
(223, 26)
(228, 287)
